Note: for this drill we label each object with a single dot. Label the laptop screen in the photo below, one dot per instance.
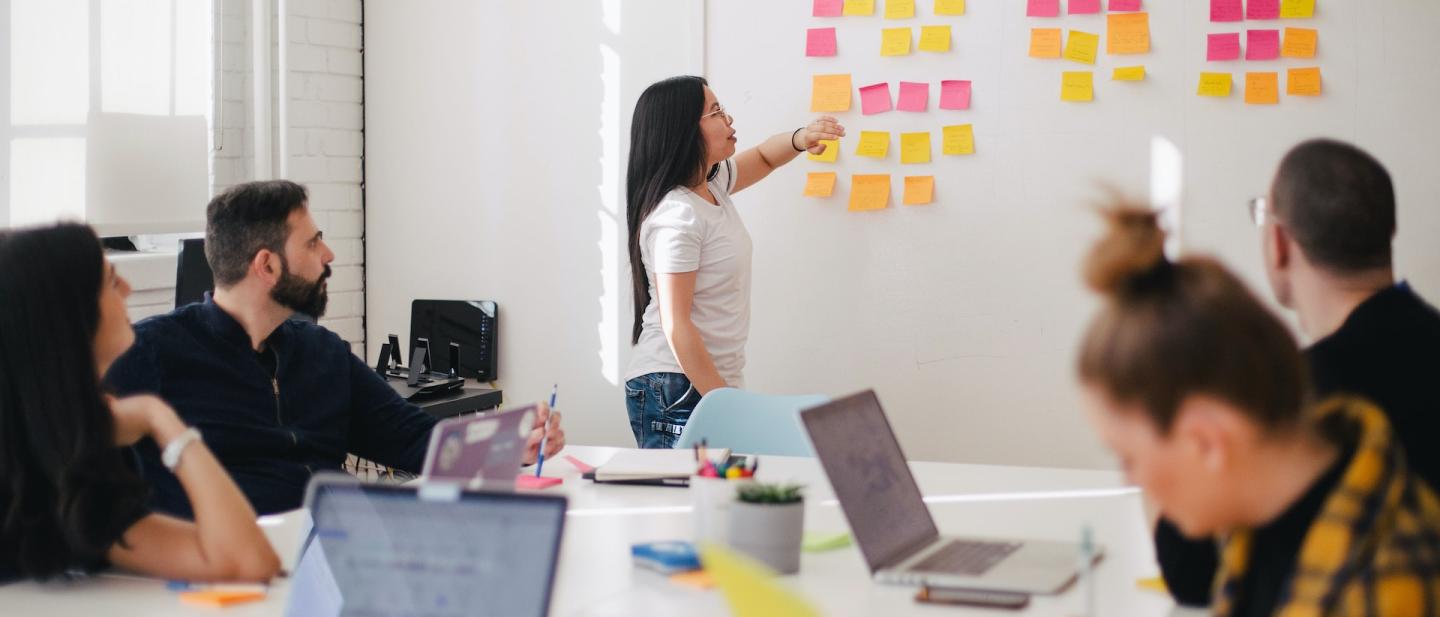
(435, 551)
(866, 468)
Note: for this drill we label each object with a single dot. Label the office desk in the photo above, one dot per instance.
(597, 579)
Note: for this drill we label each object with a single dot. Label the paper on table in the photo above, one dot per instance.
(749, 587)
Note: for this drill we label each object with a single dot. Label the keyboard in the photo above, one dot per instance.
(966, 557)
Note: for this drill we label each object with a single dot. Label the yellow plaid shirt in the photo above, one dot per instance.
(1374, 548)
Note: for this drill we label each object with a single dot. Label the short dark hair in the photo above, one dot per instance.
(1338, 203)
(246, 218)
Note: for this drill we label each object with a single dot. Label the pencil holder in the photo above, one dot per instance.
(711, 500)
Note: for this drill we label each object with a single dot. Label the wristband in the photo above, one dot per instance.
(171, 455)
(792, 139)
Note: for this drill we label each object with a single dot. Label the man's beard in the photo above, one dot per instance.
(300, 295)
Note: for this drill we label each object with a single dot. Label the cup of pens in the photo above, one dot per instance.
(712, 491)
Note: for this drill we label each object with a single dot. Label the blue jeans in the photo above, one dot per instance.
(659, 405)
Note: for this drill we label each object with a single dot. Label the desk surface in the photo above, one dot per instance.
(596, 577)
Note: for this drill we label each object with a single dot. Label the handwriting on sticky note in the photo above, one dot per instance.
(914, 96)
(820, 42)
(919, 190)
(830, 154)
(1262, 44)
(869, 191)
(1214, 84)
(1303, 82)
(955, 94)
(895, 42)
(829, 8)
(949, 7)
(1127, 33)
(1128, 73)
(1042, 8)
(958, 139)
(914, 148)
(1262, 88)
(1084, 7)
(1299, 43)
(1082, 46)
(875, 98)
(899, 9)
(830, 93)
(1226, 10)
(874, 144)
(859, 7)
(1292, 9)
(1045, 42)
(1077, 86)
(820, 184)
(1262, 9)
(1222, 46)
(1124, 5)
(934, 38)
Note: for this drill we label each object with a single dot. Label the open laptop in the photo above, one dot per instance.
(481, 451)
(421, 549)
(892, 525)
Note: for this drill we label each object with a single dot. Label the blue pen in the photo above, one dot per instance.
(540, 461)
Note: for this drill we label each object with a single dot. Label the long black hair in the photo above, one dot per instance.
(63, 482)
(666, 152)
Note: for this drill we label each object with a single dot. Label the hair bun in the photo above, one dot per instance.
(1132, 250)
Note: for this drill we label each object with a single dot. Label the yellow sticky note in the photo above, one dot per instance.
(915, 147)
(830, 93)
(934, 38)
(749, 587)
(1214, 84)
(874, 144)
(1297, 8)
(899, 9)
(1082, 46)
(1128, 73)
(895, 42)
(1262, 88)
(919, 190)
(859, 7)
(832, 151)
(869, 191)
(1299, 43)
(1045, 42)
(949, 7)
(1077, 86)
(958, 139)
(1154, 583)
(1127, 33)
(819, 183)
(1303, 82)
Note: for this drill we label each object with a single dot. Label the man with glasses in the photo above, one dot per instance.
(1326, 229)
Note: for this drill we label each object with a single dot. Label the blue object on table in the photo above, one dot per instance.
(666, 557)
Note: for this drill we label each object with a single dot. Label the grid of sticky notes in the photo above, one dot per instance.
(1124, 29)
(888, 24)
(1266, 46)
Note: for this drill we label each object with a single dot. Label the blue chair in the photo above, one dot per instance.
(750, 423)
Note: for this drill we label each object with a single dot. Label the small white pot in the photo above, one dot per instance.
(771, 533)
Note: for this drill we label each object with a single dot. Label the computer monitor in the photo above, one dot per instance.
(192, 273)
(471, 323)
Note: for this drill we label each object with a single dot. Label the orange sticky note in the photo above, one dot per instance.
(949, 7)
(1082, 46)
(1262, 88)
(1214, 84)
(1299, 43)
(859, 7)
(1077, 86)
(895, 42)
(1303, 82)
(869, 192)
(1044, 42)
(919, 190)
(1290, 9)
(958, 139)
(1128, 73)
(832, 151)
(220, 598)
(698, 579)
(1127, 33)
(830, 93)
(820, 184)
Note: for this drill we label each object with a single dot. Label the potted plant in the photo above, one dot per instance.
(767, 522)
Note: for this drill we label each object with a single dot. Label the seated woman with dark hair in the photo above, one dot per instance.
(70, 498)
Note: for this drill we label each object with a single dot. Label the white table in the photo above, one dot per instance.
(596, 577)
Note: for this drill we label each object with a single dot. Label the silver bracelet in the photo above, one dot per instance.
(171, 455)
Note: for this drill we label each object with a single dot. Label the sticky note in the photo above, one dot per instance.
(914, 96)
(1262, 44)
(1222, 46)
(1299, 43)
(869, 191)
(1303, 82)
(958, 139)
(1226, 10)
(220, 598)
(949, 7)
(1154, 583)
(1128, 73)
(1291, 9)
(819, 541)
(859, 7)
(1262, 88)
(831, 152)
(829, 8)
(819, 184)
(529, 481)
(1084, 7)
(695, 579)
(749, 586)
(874, 144)
(1214, 84)
(1124, 5)
(1043, 8)
(1082, 46)
(1127, 33)
(899, 9)
(955, 94)
(875, 98)
(830, 93)
(895, 42)
(919, 190)
(914, 148)
(1262, 9)
(1045, 42)
(820, 42)
(934, 38)
(1077, 86)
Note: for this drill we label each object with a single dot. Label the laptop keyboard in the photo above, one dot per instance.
(966, 557)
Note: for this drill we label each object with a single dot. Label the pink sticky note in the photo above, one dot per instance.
(914, 96)
(1262, 9)
(875, 98)
(1043, 8)
(829, 8)
(1124, 5)
(1262, 44)
(955, 94)
(1081, 7)
(533, 482)
(1227, 10)
(820, 42)
(1223, 47)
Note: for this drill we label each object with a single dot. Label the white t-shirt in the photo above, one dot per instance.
(685, 233)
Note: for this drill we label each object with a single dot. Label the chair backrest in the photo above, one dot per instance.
(750, 423)
(192, 273)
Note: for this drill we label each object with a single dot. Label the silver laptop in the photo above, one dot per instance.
(482, 451)
(890, 522)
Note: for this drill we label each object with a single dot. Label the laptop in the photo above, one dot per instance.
(480, 451)
(892, 525)
(425, 549)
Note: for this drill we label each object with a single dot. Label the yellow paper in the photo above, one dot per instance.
(819, 184)
(949, 7)
(1082, 46)
(1262, 88)
(934, 38)
(859, 7)
(830, 93)
(1127, 33)
(1303, 82)
(1297, 8)
(895, 42)
(958, 139)
(899, 9)
(1154, 583)
(919, 190)
(832, 151)
(869, 191)
(914, 148)
(1128, 73)
(750, 587)
(1045, 42)
(1299, 43)
(874, 144)
(1214, 84)
(1077, 86)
